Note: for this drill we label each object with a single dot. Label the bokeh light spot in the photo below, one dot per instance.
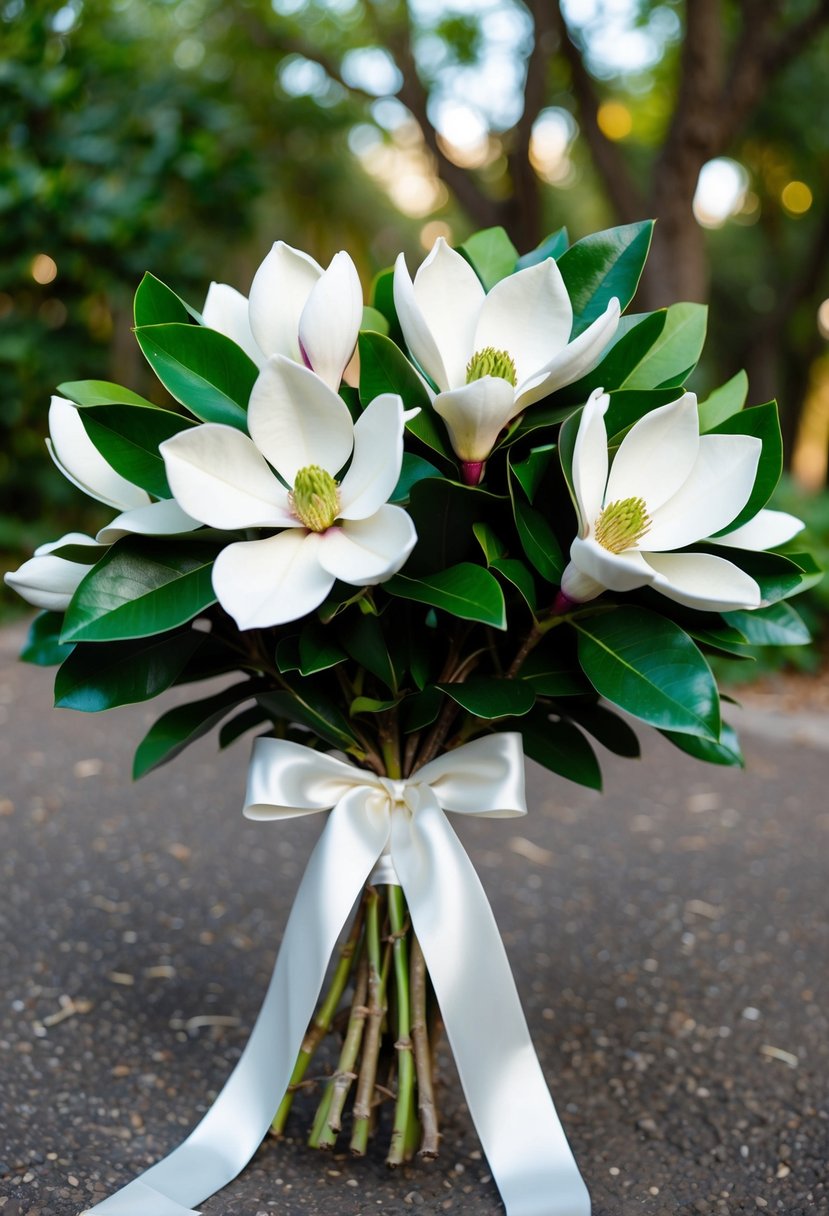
(796, 197)
(44, 269)
(721, 191)
(614, 119)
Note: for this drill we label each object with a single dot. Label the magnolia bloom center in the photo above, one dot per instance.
(492, 362)
(315, 499)
(623, 523)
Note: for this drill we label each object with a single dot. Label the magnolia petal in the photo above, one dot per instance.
(421, 344)
(449, 296)
(164, 518)
(278, 293)
(49, 582)
(81, 463)
(367, 551)
(529, 315)
(476, 414)
(217, 476)
(616, 571)
(590, 460)
(578, 358)
(378, 455)
(767, 530)
(296, 420)
(331, 320)
(226, 310)
(703, 581)
(578, 586)
(657, 455)
(714, 492)
(268, 582)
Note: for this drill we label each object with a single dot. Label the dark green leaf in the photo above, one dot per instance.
(611, 730)
(306, 702)
(382, 298)
(650, 667)
(535, 418)
(675, 352)
(538, 541)
(531, 470)
(777, 576)
(554, 673)
(43, 646)
(443, 513)
(127, 436)
(515, 572)
(777, 625)
(488, 697)
(179, 727)
(317, 649)
(763, 422)
(552, 246)
(240, 724)
(414, 469)
(385, 369)
(287, 654)
(421, 709)
(604, 265)
(725, 751)
(562, 748)
(491, 254)
(157, 304)
(489, 542)
(365, 641)
(634, 337)
(99, 392)
(202, 369)
(101, 675)
(720, 638)
(466, 591)
(141, 586)
(723, 402)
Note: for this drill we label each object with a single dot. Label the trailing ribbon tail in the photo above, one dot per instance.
(404, 823)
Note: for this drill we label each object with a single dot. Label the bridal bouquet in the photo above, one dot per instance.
(474, 518)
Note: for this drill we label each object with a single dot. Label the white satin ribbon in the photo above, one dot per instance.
(401, 827)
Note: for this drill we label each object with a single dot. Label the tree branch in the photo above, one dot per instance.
(624, 194)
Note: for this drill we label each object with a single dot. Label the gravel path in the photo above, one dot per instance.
(670, 940)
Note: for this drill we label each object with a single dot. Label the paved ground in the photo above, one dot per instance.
(670, 940)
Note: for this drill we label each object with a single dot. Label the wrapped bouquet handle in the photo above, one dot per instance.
(404, 821)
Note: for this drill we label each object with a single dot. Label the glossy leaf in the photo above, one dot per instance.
(421, 710)
(491, 254)
(369, 705)
(101, 675)
(99, 392)
(489, 697)
(374, 320)
(179, 727)
(444, 513)
(157, 304)
(724, 751)
(552, 246)
(538, 541)
(611, 731)
(777, 625)
(674, 354)
(777, 576)
(554, 673)
(306, 702)
(490, 544)
(202, 369)
(466, 591)
(382, 298)
(647, 665)
(723, 402)
(318, 651)
(634, 337)
(141, 586)
(560, 747)
(240, 724)
(367, 643)
(604, 265)
(530, 471)
(763, 422)
(414, 469)
(385, 369)
(516, 573)
(128, 436)
(43, 646)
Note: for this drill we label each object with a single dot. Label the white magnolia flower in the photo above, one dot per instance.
(296, 309)
(492, 354)
(331, 530)
(81, 463)
(668, 487)
(49, 582)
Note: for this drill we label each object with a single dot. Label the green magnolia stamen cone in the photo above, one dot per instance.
(491, 362)
(315, 499)
(621, 524)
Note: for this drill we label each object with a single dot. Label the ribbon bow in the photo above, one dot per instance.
(400, 827)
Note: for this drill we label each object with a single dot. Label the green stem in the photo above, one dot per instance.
(328, 1121)
(321, 1024)
(404, 1131)
(377, 974)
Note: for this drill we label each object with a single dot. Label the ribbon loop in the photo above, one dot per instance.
(395, 831)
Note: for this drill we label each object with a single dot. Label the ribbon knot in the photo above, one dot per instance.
(505, 1089)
